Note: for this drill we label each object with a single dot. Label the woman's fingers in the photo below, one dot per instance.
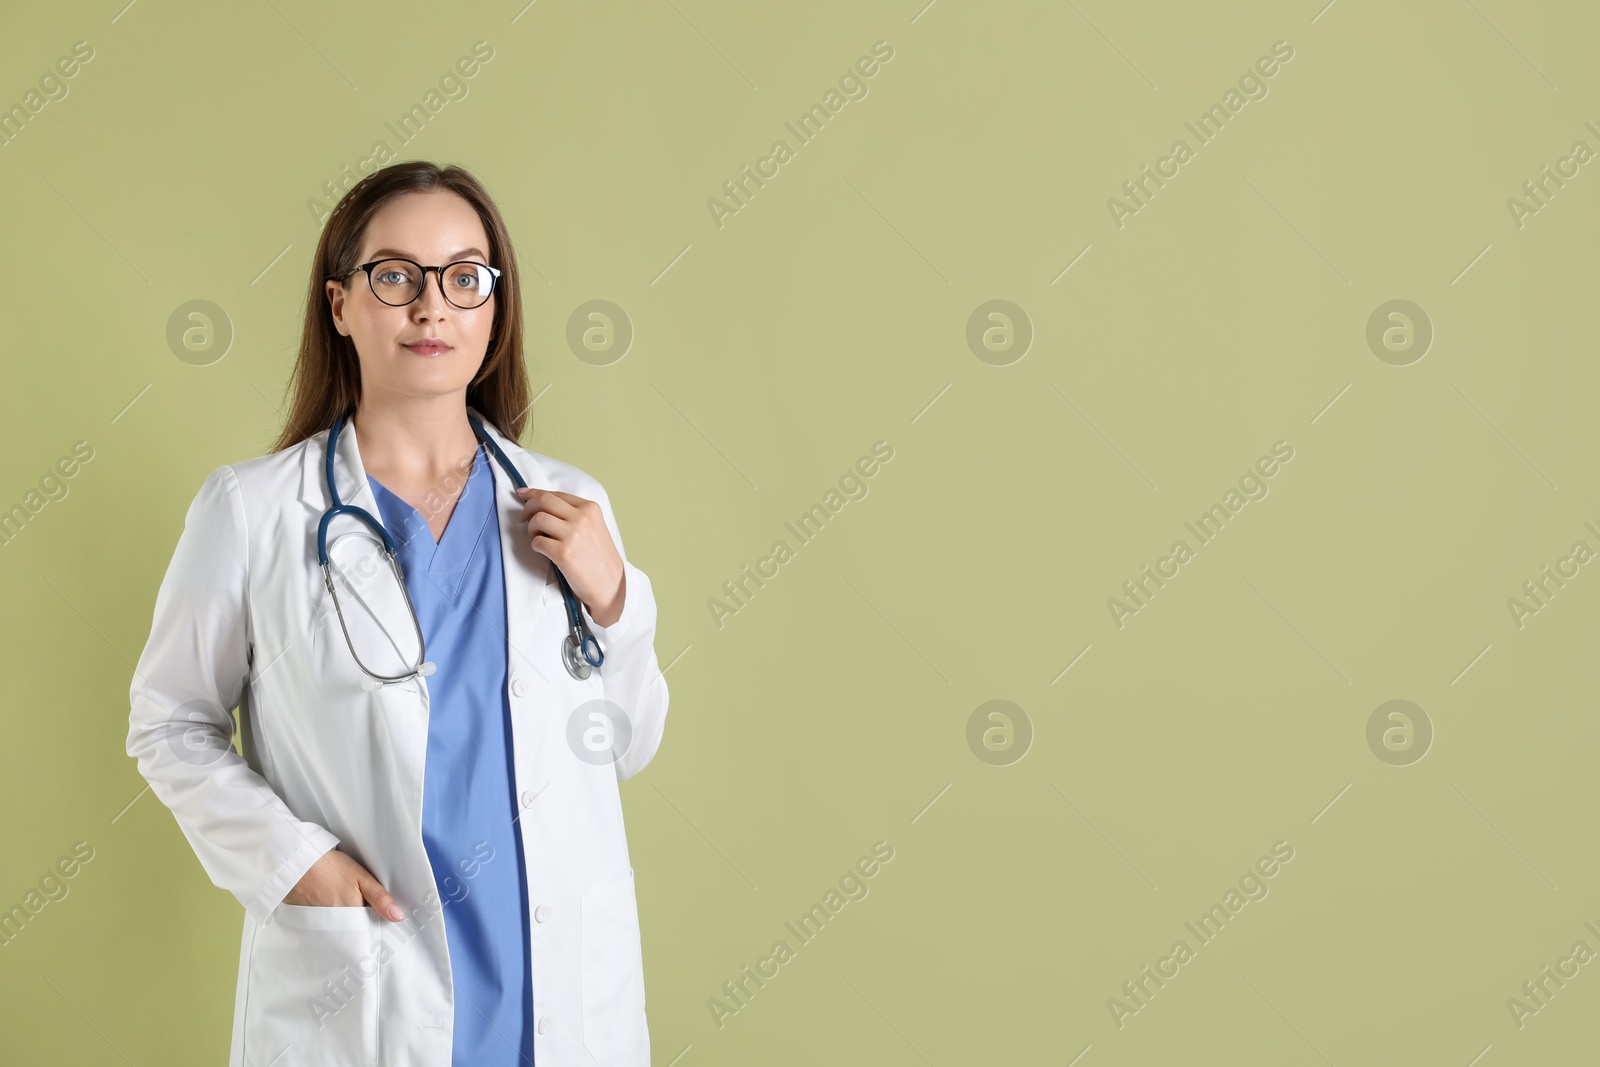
(557, 503)
(552, 526)
(571, 532)
(380, 899)
(334, 879)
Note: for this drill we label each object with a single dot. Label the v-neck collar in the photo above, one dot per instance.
(445, 561)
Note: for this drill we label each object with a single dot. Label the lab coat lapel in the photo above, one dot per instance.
(529, 576)
(383, 622)
(348, 474)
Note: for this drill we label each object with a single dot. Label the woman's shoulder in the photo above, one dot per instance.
(288, 457)
(280, 470)
(546, 472)
(267, 483)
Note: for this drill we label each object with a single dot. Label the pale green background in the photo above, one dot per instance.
(831, 313)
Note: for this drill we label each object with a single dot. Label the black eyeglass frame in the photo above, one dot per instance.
(494, 285)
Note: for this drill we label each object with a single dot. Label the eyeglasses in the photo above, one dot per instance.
(397, 282)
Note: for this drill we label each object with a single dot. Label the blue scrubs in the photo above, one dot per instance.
(469, 789)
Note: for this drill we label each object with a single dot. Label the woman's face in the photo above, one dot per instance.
(433, 228)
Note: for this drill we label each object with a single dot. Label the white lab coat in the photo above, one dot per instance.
(243, 618)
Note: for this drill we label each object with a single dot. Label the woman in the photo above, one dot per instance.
(424, 827)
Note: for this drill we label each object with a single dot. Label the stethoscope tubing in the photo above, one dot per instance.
(575, 645)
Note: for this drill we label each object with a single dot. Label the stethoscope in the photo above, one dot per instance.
(574, 647)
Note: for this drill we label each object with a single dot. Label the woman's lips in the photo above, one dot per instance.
(429, 349)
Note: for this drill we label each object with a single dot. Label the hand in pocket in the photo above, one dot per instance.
(337, 881)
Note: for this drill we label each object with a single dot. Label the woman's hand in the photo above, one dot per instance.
(572, 533)
(337, 881)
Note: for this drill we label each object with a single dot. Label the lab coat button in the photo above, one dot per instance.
(542, 913)
(528, 797)
(519, 687)
(544, 1023)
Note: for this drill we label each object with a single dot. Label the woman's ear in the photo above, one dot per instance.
(336, 294)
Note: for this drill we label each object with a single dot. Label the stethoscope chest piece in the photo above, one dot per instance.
(577, 666)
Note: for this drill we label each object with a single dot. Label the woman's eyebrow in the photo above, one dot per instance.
(480, 253)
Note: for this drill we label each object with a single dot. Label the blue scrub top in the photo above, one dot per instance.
(469, 804)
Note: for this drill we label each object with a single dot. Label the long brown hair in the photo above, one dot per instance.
(326, 381)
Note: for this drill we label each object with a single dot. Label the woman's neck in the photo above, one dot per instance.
(419, 443)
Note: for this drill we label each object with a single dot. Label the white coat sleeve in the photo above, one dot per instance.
(633, 679)
(189, 678)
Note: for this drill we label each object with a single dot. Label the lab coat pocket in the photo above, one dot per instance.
(313, 993)
(613, 970)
